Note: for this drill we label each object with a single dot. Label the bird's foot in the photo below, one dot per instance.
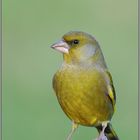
(103, 137)
(74, 127)
(102, 134)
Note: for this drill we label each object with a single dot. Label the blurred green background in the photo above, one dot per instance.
(30, 109)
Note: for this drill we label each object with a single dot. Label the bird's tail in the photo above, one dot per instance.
(109, 132)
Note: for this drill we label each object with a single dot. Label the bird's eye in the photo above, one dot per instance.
(75, 41)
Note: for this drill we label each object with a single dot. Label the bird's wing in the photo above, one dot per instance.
(111, 89)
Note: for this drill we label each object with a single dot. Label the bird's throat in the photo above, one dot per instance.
(87, 61)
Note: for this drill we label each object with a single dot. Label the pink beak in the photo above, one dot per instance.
(61, 46)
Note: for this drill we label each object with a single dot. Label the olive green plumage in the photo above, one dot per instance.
(83, 84)
(83, 94)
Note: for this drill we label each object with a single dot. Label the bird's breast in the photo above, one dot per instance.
(81, 94)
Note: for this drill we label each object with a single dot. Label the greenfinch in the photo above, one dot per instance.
(83, 84)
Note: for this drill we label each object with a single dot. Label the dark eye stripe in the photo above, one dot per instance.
(75, 41)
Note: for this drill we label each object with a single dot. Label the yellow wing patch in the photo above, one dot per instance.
(111, 90)
(111, 95)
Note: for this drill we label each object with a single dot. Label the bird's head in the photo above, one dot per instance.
(78, 47)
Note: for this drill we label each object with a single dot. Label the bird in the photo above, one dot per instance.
(83, 84)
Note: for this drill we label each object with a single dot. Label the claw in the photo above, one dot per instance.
(103, 137)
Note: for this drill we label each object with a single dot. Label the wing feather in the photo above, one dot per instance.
(111, 89)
